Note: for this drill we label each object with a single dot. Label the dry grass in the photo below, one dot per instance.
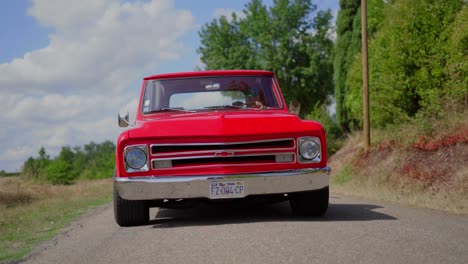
(433, 178)
(424, 134)
(31, 212)
(12, 193)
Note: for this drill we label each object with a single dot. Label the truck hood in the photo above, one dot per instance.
(220, 123)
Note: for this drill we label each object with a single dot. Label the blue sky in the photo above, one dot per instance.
(68, 67)
(19, 32)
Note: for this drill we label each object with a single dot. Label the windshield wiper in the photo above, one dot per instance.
(223, 107)
(169, 109)
(231, 107)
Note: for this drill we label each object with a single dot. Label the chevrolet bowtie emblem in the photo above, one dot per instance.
(224, 154)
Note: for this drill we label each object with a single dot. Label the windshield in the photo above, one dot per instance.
(232, 92)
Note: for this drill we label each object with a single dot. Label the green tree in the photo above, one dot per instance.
(80, 160)
(417, 62)
(59, 172)
(35, 167)
(455, 97)
(224, 46)
(284, 38)
(30, 168)
(347, 46)
(100, 159)
(93, 161)
(345, 50)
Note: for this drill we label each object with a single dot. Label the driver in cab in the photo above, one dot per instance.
(253, 100)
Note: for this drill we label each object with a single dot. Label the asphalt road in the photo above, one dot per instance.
(353, 231)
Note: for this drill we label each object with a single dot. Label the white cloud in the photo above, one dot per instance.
(69, 92)
(227, 12)
(55, 120)
(88, 52)
(63, 15)
(332, 31)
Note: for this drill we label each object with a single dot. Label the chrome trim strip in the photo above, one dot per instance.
(184, 187)
(222, 144)
(191, 167)
(230, 156)
(227, 150)
(222, 164)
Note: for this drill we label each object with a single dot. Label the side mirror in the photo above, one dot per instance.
(123, 121)
(294, 107)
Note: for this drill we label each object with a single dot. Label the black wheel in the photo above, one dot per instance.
(313, 203)
(129, 212)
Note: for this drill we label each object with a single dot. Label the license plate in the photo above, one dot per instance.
(227, 189)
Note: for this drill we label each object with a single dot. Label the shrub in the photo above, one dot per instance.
(59, 172)
(93, 161)
(417, 64)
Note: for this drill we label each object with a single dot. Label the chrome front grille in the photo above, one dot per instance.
(157, 149)
(198, 161)
(181, 155)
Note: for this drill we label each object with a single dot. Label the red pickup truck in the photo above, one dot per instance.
(217, 135)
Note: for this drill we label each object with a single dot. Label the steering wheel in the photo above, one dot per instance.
(257, 104)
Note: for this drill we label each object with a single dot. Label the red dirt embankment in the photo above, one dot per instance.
(432, 166)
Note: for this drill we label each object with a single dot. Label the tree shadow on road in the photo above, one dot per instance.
(221, 214)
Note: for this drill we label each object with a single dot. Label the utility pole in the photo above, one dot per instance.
(365, 75)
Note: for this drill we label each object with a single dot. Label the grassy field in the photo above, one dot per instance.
(32, 212)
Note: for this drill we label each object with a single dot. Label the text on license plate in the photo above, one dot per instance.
(227, 189)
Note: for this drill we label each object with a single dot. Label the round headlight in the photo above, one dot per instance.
(135, 158)
(309, 149)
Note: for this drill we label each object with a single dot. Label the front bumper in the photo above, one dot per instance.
(154, 188)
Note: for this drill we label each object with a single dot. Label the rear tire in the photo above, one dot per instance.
(129, 212)
(313, 203)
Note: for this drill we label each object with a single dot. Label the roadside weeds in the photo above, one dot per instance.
(430, 178)
(33, 212)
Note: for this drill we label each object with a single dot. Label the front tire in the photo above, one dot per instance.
(312, 203)
(129, 212)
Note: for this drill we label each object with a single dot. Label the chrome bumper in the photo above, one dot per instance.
(152, 188)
